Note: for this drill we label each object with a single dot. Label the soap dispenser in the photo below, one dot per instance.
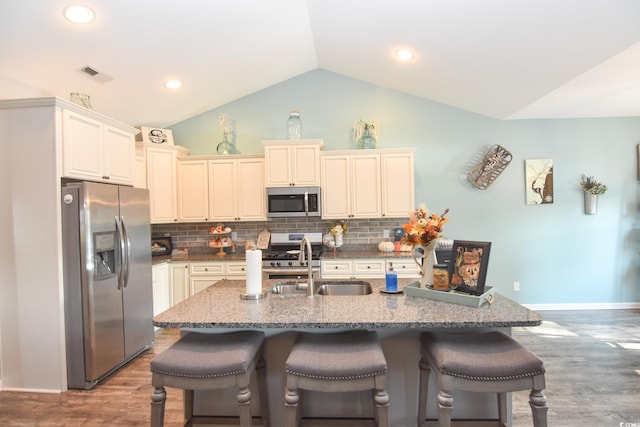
(391, 279)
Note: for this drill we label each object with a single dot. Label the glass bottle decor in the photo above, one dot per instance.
(366, 140)
(225, 147)
(294, 125)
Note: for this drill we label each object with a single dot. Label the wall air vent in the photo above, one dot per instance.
(94, 74)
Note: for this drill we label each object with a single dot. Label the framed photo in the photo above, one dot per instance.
(158, 136)
(470, 261)
(539, 181)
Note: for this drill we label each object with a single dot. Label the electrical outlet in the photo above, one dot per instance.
(516, 286)
(234, 236)
(385, 234)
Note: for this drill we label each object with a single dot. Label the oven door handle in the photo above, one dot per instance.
(292, 271)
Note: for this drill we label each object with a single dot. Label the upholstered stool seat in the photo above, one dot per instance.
(336, 362)
(483, 362)
(200, 361)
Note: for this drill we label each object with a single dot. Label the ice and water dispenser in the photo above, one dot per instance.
(104, 257)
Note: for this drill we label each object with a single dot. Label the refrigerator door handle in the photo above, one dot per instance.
(126, 254)
(119, 228)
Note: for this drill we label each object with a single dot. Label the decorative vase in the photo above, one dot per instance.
(429, 259)
(338, 241)
(590, 203)
(367, 140)
(226, 147)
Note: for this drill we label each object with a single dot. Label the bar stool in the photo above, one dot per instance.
(336, 362)
(200, 361)
(483, 362)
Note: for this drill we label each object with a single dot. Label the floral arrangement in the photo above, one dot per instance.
(339, 228)
(590, 185)
(423, 228)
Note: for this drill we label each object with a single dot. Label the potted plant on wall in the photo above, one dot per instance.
(591, 189)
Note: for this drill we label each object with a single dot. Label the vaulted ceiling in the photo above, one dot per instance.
(507, 59)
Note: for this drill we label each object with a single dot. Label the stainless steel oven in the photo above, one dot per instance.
(281, 260)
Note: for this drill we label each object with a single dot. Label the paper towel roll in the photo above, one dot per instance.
(254, 271)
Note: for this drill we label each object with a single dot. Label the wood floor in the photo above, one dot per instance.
(593, 379)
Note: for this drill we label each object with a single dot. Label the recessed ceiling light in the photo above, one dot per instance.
(79, 14)
(173, 84)
(404, 54)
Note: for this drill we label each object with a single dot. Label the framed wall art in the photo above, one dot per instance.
(470, 262)
(539, 181)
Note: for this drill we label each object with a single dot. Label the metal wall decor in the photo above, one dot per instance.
(489, 167)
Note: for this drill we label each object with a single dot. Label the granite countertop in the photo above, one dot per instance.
(220, 306)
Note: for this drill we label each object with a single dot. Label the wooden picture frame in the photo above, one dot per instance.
(469, 265)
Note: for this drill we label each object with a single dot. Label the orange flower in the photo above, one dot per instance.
(423, 228)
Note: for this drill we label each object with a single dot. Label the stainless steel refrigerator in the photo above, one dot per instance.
(108, 297)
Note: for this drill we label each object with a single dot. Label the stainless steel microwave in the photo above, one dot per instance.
(285, 202)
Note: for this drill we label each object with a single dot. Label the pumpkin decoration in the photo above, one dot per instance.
(406, 247)
(385, 246)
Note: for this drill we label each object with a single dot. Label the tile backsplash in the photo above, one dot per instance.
(196, 236)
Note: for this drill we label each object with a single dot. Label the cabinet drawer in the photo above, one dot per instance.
(207, 268)
(335, 267)
(369, 268)
(236, 269)
(405, 267)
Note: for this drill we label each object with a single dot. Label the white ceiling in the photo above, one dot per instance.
(507, 59)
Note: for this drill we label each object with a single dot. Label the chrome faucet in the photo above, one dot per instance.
(306, 243)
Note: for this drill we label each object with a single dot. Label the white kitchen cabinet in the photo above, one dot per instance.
(205, 274)
(367, 184)
(364, 268)
(96, 151)
(179, 282)
(398, 185)
(235, 270)
(161, 288)
(404, 267)
(193, 190)
(367, 268)
(140, 176)
(290, 164)
(351, 185)
(162, 181)
(236, 189)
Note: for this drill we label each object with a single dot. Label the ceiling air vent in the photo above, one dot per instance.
(94, 74)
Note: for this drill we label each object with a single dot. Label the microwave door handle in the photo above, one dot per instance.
(306, 203)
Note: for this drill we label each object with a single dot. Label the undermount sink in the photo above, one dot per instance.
(323, 287)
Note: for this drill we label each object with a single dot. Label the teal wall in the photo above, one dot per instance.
(558, 254)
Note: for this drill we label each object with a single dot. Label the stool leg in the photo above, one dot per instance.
(381, 399)
(158, 398)
(244, 399)
(291, 401)
(262, 389)
(539, 408)
(445, 405)
(502, 409)
(187, 404)
(425, 372)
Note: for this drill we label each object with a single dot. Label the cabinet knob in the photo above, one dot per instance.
(368, 266)
(105, 177)
(336, 267)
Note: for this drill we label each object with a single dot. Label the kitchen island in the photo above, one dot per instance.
(397, 318)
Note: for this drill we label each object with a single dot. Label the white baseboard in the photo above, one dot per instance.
(31, 390)
(585, 306)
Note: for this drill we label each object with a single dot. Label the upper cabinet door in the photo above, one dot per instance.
(398, 193)
(366, 186)
(96, 151)
(193, 194)
(289, 164)
(82, 141)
